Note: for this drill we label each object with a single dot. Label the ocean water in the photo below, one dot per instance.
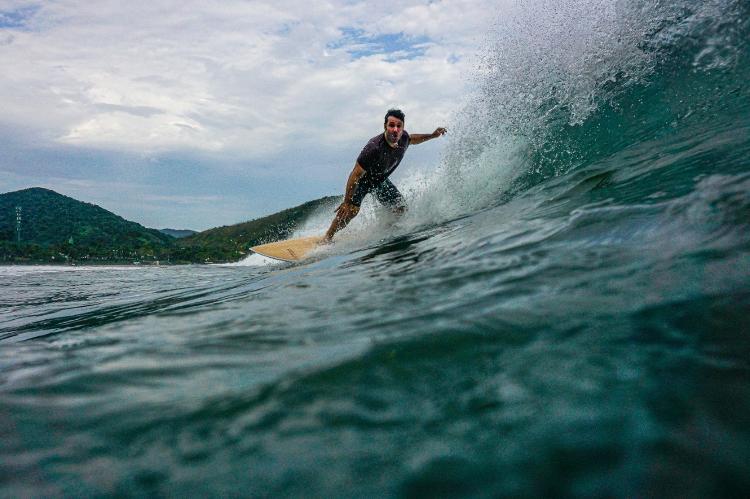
(563, 311)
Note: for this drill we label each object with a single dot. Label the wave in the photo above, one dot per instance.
(590, 92)
(566, 85)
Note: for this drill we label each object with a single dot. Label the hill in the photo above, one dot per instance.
(230, 243)
(178, 233)
(57, 228)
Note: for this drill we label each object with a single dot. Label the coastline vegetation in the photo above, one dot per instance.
(57, 229)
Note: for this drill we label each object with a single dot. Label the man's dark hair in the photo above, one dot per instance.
(396, 113)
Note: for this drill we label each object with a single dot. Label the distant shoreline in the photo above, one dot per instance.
(42, 227)
(45, 263)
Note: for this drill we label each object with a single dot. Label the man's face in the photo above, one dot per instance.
(394, 127)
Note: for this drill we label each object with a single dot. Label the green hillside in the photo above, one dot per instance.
(178, 233)
(51, 218)
(230, 243)
(57, 228)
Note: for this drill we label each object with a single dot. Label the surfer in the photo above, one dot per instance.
(378, 159)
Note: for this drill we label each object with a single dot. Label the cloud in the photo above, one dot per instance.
(398, 46)
(278, 96)
(244, 77)
(17, 16)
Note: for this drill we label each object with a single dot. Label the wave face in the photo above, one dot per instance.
(562, 311)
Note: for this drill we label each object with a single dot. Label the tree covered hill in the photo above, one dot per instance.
(49, 218)
(230, 243)
(178, 233)
(58, 228)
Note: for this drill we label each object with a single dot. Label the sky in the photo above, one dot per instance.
(195, 114)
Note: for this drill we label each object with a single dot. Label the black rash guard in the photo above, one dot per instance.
(380, 159)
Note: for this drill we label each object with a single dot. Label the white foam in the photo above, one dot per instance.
(253, 260)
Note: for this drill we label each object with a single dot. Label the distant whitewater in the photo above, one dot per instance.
(561, 312)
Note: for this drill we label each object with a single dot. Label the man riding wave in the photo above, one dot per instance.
(379, 158)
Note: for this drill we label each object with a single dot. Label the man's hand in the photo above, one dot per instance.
(347, 210)
(344, 214)
(439, 131)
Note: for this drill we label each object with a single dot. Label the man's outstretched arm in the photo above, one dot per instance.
(418, 138)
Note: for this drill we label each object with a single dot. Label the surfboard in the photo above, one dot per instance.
(289, 250)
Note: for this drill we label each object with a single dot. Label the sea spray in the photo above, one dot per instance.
(563, 85)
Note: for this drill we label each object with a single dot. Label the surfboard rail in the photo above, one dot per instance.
(288, 250)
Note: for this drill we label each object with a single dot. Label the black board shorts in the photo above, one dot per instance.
(385, 192)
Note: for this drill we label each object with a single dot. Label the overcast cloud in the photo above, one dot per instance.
(198, 114)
